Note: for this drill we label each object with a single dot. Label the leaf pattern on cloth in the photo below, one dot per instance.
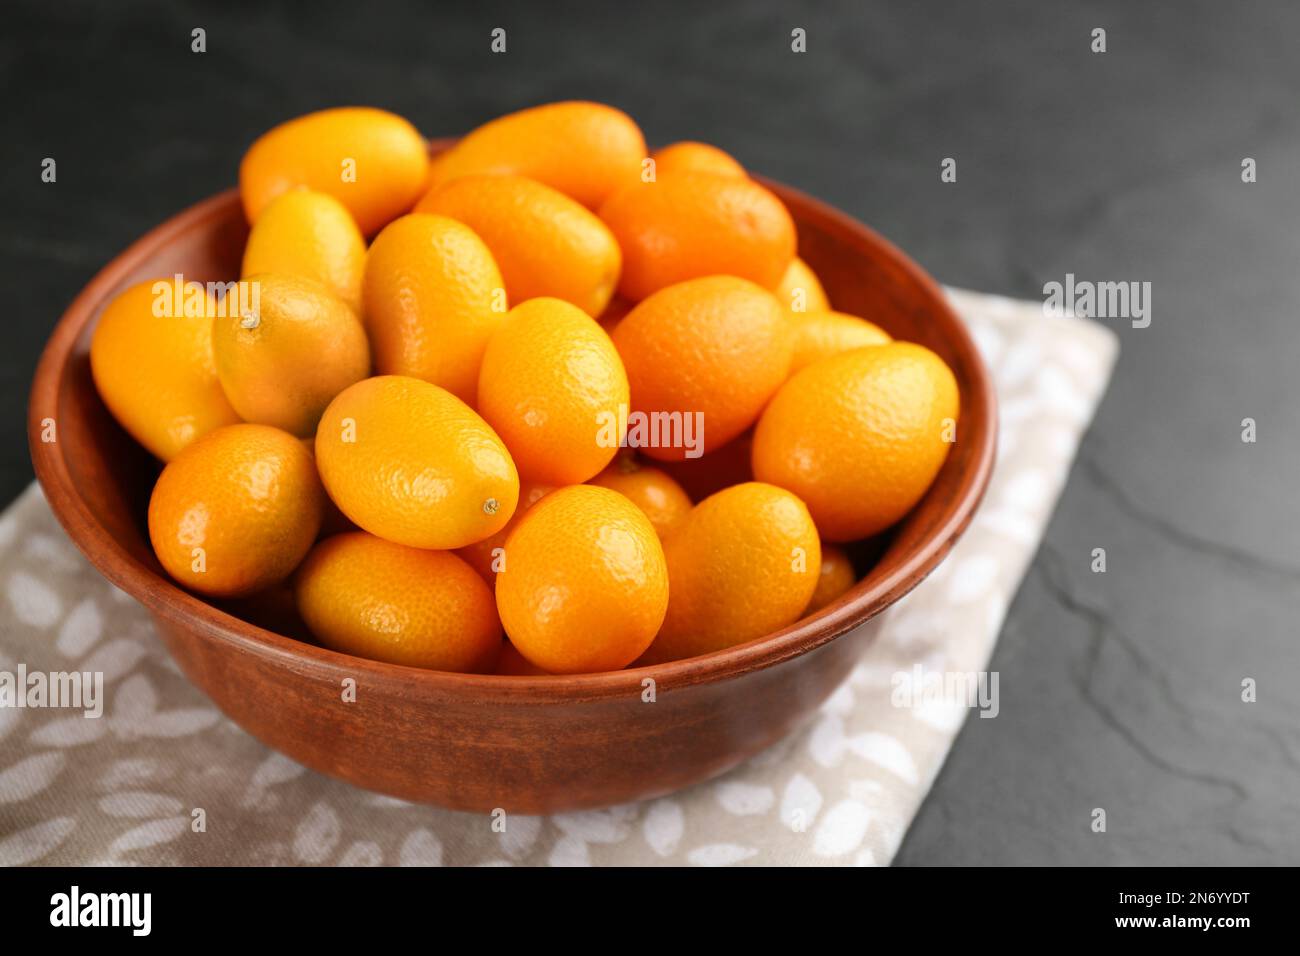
(32, 601)
(30, 776)
(80, 629)
(128, 787)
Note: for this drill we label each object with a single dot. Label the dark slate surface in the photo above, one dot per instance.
(1120, 690)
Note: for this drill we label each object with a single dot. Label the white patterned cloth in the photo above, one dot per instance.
(164, 778)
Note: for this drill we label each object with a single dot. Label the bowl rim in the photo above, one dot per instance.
(166, 599)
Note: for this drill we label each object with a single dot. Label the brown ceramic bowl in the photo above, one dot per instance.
(477, 742)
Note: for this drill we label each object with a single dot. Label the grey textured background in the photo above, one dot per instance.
(1120, 690)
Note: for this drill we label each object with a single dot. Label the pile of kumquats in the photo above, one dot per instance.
(546, 403)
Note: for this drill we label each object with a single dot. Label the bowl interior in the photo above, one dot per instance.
(99, 480)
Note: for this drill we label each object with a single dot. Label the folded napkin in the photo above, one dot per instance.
(162, 777)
